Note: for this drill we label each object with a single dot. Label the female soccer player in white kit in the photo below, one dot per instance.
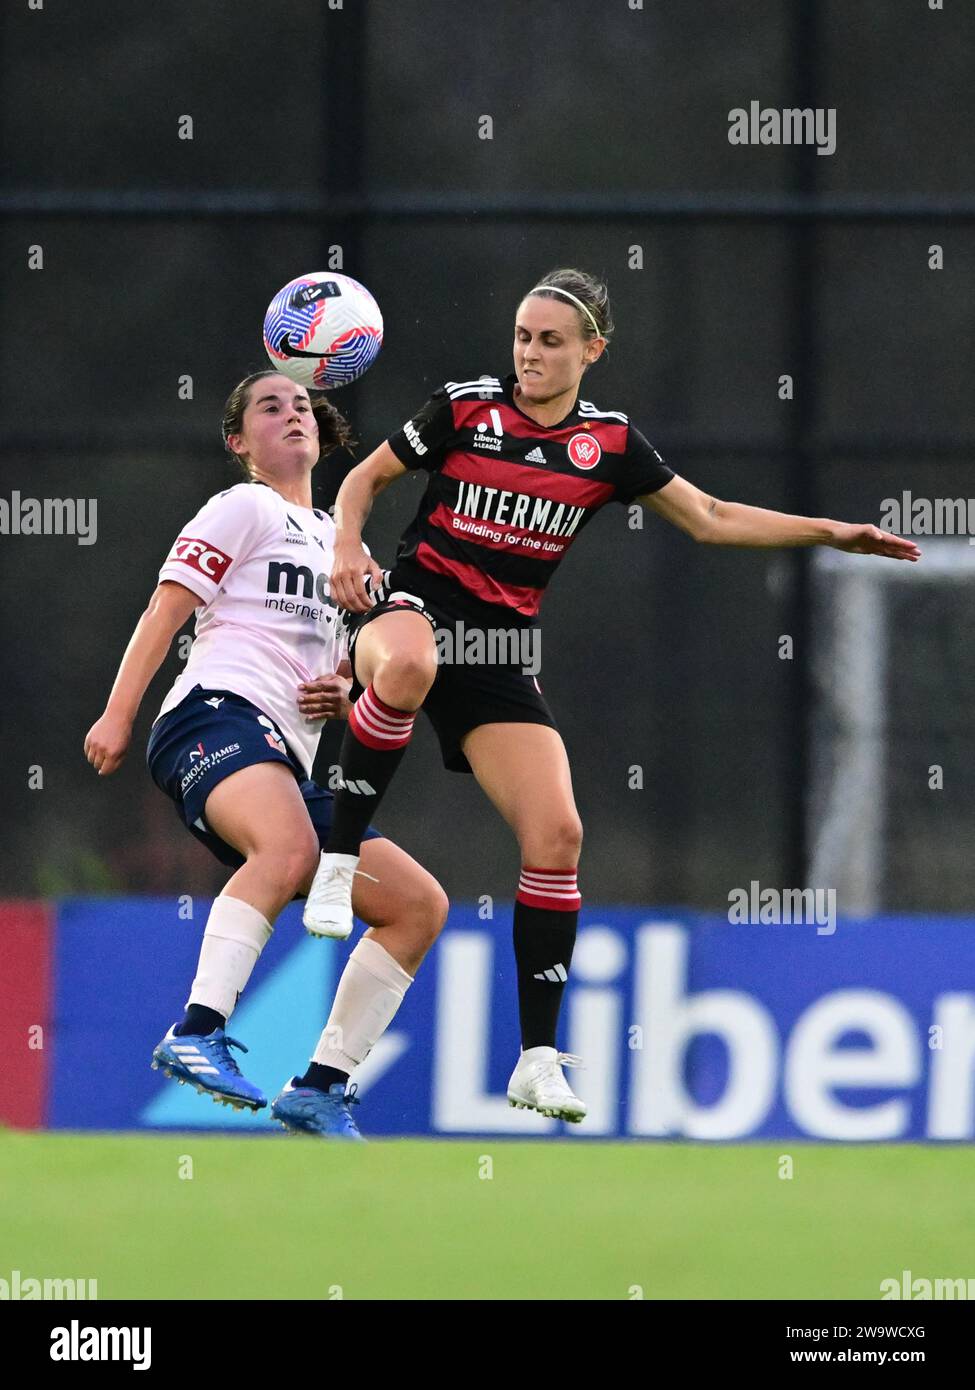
(234, 744)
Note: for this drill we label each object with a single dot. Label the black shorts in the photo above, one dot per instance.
(477, 680)
(208, 736)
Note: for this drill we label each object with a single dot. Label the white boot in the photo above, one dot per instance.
(537, 1083)
(328, 908)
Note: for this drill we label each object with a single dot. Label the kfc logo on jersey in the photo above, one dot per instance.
(584, 451)
(202, 557)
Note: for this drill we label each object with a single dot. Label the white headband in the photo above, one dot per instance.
(557, 290)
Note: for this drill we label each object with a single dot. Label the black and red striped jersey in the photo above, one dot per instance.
(508, 496)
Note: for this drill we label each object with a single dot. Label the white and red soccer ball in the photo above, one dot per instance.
(323, 330)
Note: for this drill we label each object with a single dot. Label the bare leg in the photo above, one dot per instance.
(397, 655)
(260, 811)
(524, 770)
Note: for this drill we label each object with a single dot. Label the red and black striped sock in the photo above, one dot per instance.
(372, 749)
(546, 913)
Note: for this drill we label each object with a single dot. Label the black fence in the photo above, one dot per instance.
(354, 137)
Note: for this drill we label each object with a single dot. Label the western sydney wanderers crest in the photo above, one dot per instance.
(584, 451)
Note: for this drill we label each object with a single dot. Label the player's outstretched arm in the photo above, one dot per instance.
(107, 741)
(733, 523)
(352, 506)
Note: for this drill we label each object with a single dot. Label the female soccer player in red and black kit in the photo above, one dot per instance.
(518, 467)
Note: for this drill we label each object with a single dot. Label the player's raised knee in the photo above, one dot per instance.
(404, 680)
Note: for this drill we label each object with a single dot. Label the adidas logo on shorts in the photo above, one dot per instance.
(536, 456)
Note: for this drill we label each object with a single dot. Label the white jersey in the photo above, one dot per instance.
(260, 566)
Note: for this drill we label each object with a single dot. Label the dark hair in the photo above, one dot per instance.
(334, 431)
(588, 290)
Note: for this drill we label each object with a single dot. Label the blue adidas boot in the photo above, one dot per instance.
(306, 1110)
(205, 1061)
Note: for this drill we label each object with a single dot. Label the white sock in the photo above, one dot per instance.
(370, 991)
(235, 936)
(333, 860)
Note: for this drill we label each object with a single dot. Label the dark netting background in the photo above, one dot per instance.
(656, 652)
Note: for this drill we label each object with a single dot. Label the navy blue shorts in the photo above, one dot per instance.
(207, 737)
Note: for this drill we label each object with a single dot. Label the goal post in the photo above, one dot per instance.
(848, 802)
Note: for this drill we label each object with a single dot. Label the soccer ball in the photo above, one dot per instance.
(323, 330)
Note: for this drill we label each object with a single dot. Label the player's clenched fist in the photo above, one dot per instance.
(326, 697)
(107, 743)
(347, 583)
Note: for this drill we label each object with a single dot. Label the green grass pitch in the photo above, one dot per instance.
(287, 1217)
